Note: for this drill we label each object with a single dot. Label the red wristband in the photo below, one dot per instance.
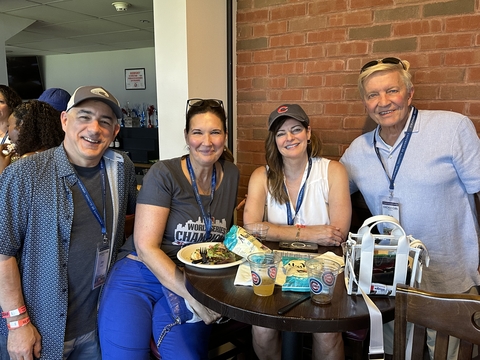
(15, 312)
(19, 323)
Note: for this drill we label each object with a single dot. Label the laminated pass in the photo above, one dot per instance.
(379, 262)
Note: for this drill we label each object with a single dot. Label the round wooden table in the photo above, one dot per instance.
(215, 289)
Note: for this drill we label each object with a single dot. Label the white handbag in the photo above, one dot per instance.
(396, 255)
(379, 262)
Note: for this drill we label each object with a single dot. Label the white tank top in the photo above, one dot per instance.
(314, 208)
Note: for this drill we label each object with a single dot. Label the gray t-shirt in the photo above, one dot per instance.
(167, 186)
(86, 235)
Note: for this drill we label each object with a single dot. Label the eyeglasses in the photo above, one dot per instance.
(388, 60)
(200, 102)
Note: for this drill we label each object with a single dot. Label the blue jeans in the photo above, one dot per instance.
(85, 347)
(133, 308)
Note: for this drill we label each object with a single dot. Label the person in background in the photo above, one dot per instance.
(423, 168)
(62, 225)
(34, 126)
(301, 196)
(183, 201)
(56, 97)
(9, 100)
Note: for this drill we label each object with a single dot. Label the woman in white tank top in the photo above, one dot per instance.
(301, 197)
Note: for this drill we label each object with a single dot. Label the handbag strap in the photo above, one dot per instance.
(376, 321)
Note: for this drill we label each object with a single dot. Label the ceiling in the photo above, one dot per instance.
(78, 26)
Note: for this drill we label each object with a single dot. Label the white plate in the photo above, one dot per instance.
(184, 256)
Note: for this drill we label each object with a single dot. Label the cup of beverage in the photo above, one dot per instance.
(264, 267)
(258, 230)
(322, 275)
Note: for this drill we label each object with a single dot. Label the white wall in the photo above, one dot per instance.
(106, 69)
(190, 50)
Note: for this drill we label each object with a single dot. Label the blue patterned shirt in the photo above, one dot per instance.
(37, 216)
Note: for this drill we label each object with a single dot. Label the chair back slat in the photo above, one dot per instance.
(448, 314)
(465, 350)
(441, 346)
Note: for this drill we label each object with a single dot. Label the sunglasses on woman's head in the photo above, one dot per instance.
(388, 60)
(200, 102)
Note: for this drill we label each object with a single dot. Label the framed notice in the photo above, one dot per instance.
(135, 79)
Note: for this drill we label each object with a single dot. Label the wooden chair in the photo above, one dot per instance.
(449, 314)
(129, 222)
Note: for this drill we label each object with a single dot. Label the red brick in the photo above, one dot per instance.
(417, 27)
(462, 23)
(323, 122)
(349, 108)
(278, 27)
(473, 74)
(362, 18)
(440, 75)
(244, 84)
(355, 122)
(244, 31)
(262, 56)
(287, 40)
(286, 96)
(324, 65)
(259, 30)
(252, 16)
(285, 68)
(454, 41)
(462, 58)
(269, 83)
(323, 94)
(288, 11)
(349, 48)
(425, 92)
(460, 92)
(442, 105)
(341, 79)
(327, 6)
(305, 81)
(306, 52)
(244, 57)
(362, 4)
(252, 70)
(327, 35)
(250, 145)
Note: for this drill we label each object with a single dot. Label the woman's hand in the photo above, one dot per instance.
(208, 316)
(326, 235)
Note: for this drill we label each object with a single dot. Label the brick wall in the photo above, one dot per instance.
(310, 52)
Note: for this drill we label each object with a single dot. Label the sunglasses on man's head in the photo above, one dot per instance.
(200, 102)
(388, 60)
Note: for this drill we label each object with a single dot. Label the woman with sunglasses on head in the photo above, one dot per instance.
(302, 197)
(423, 168)
(183, 201)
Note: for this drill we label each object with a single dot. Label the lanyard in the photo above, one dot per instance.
(91, 204)
(301, 193)
(405, 142)
(207, 219)
(4, 138)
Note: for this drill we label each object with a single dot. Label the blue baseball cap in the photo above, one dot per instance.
(56, 97)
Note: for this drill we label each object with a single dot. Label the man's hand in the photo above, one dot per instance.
(24, 343)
